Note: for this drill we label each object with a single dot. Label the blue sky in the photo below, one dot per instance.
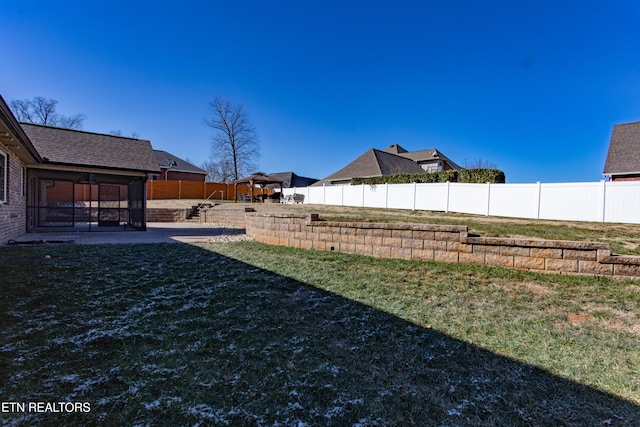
(534, 87)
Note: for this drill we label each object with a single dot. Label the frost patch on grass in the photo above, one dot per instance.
(71, 378)
(226, 312)
(454, 412)
(8, 347)
(206, 412)
(161, 402)
(341, 406)
(88, 384)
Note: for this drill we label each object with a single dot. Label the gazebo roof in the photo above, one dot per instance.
(258, 178)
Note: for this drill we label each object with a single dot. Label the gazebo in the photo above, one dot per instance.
(258, 178)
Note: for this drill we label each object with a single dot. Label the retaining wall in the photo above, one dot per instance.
(437, 243)
(167, 215)
(231, 217)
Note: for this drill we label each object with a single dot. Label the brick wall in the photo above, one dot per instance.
(13, 213)
(438, 243)
(181, 176)
(625, 178)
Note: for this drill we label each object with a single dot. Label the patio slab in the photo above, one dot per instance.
(157, 232)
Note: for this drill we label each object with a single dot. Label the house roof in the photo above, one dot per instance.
(291, 180)
(79, 148)
(624, 150)
(422, 156)
(13, 137)
(375, 163)
(167, 160)
(395, 149)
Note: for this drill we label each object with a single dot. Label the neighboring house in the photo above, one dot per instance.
(623, 158)
(173, 168)
(390, 161)
(16, 154)
(291, 180)
(430, 160)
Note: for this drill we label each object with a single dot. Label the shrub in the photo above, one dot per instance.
(465, 175)
(482, 176)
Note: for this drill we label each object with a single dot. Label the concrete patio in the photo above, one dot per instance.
(157, 232)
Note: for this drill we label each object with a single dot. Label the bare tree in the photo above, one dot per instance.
(218, 171)
(70, 122)
(42, 111)
(134, 135)
(235, 144)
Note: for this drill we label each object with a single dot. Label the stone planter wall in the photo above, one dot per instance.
(438, 243)
(167, 215)
(230, 217)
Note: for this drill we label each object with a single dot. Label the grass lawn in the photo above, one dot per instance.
(249, 334)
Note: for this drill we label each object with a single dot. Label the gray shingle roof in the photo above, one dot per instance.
(79, 148)
(375, 163)
(395, 149)
(624, 150)
(429, 155)
(175, 163)
(13, 136)
(290, 180)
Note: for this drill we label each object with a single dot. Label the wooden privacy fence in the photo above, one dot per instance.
(161, 190)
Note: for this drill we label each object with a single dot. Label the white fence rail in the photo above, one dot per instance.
(585, 201)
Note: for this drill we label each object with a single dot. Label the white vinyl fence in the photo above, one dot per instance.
(585, 201)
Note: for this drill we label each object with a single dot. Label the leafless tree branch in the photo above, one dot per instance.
(42, 111)
(235, 143)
